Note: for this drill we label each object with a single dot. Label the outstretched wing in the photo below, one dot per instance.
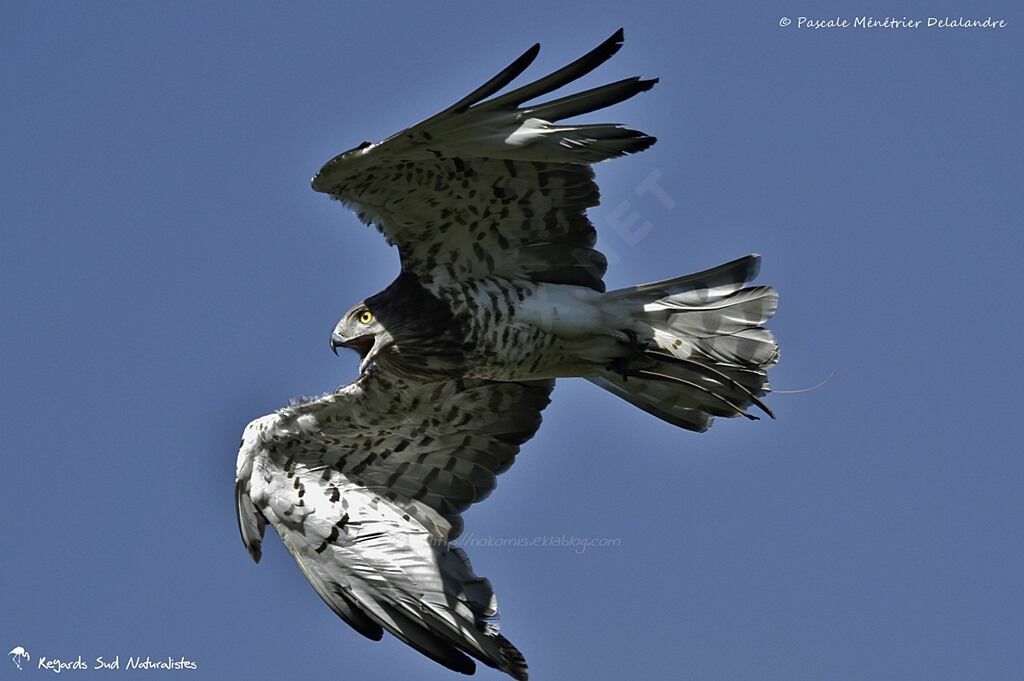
(435, 448)
(366, 485)
(494, 186)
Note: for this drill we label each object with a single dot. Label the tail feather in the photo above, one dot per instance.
(701, 350)
(721, 374)
(720, 281)
(756, 347)
(745, 309)
(655, 398)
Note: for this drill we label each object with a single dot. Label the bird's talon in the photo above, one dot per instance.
(635, 344)
(620, 366)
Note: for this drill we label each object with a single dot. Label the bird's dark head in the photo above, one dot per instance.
(360, 330)
(408, 329)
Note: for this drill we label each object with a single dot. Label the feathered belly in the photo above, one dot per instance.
(524, 331)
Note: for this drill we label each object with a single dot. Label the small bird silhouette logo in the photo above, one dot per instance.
(19, 655)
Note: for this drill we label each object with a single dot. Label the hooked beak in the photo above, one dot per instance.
(361, 344)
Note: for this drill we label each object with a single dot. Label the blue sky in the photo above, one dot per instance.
(166, 274)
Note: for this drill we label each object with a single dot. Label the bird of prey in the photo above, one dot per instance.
(500, 293)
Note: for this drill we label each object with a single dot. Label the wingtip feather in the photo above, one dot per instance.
(498, 81)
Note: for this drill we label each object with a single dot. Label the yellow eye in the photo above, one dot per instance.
(366, 317)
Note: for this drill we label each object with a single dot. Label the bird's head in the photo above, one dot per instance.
(360, 330)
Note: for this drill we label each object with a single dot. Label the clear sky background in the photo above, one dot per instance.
(166, 275)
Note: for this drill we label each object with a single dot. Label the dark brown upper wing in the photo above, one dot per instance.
(494, 186)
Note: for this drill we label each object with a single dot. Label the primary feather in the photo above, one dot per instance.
(467, 191)
(366, 486)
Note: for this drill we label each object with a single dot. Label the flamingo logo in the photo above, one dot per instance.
(19, 655)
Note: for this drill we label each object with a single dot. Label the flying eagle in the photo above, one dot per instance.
(500, 293)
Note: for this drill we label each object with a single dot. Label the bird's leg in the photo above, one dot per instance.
(635, 344)
(623, 365)
(620, 366)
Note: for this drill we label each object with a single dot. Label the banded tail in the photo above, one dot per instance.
(700, 349)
